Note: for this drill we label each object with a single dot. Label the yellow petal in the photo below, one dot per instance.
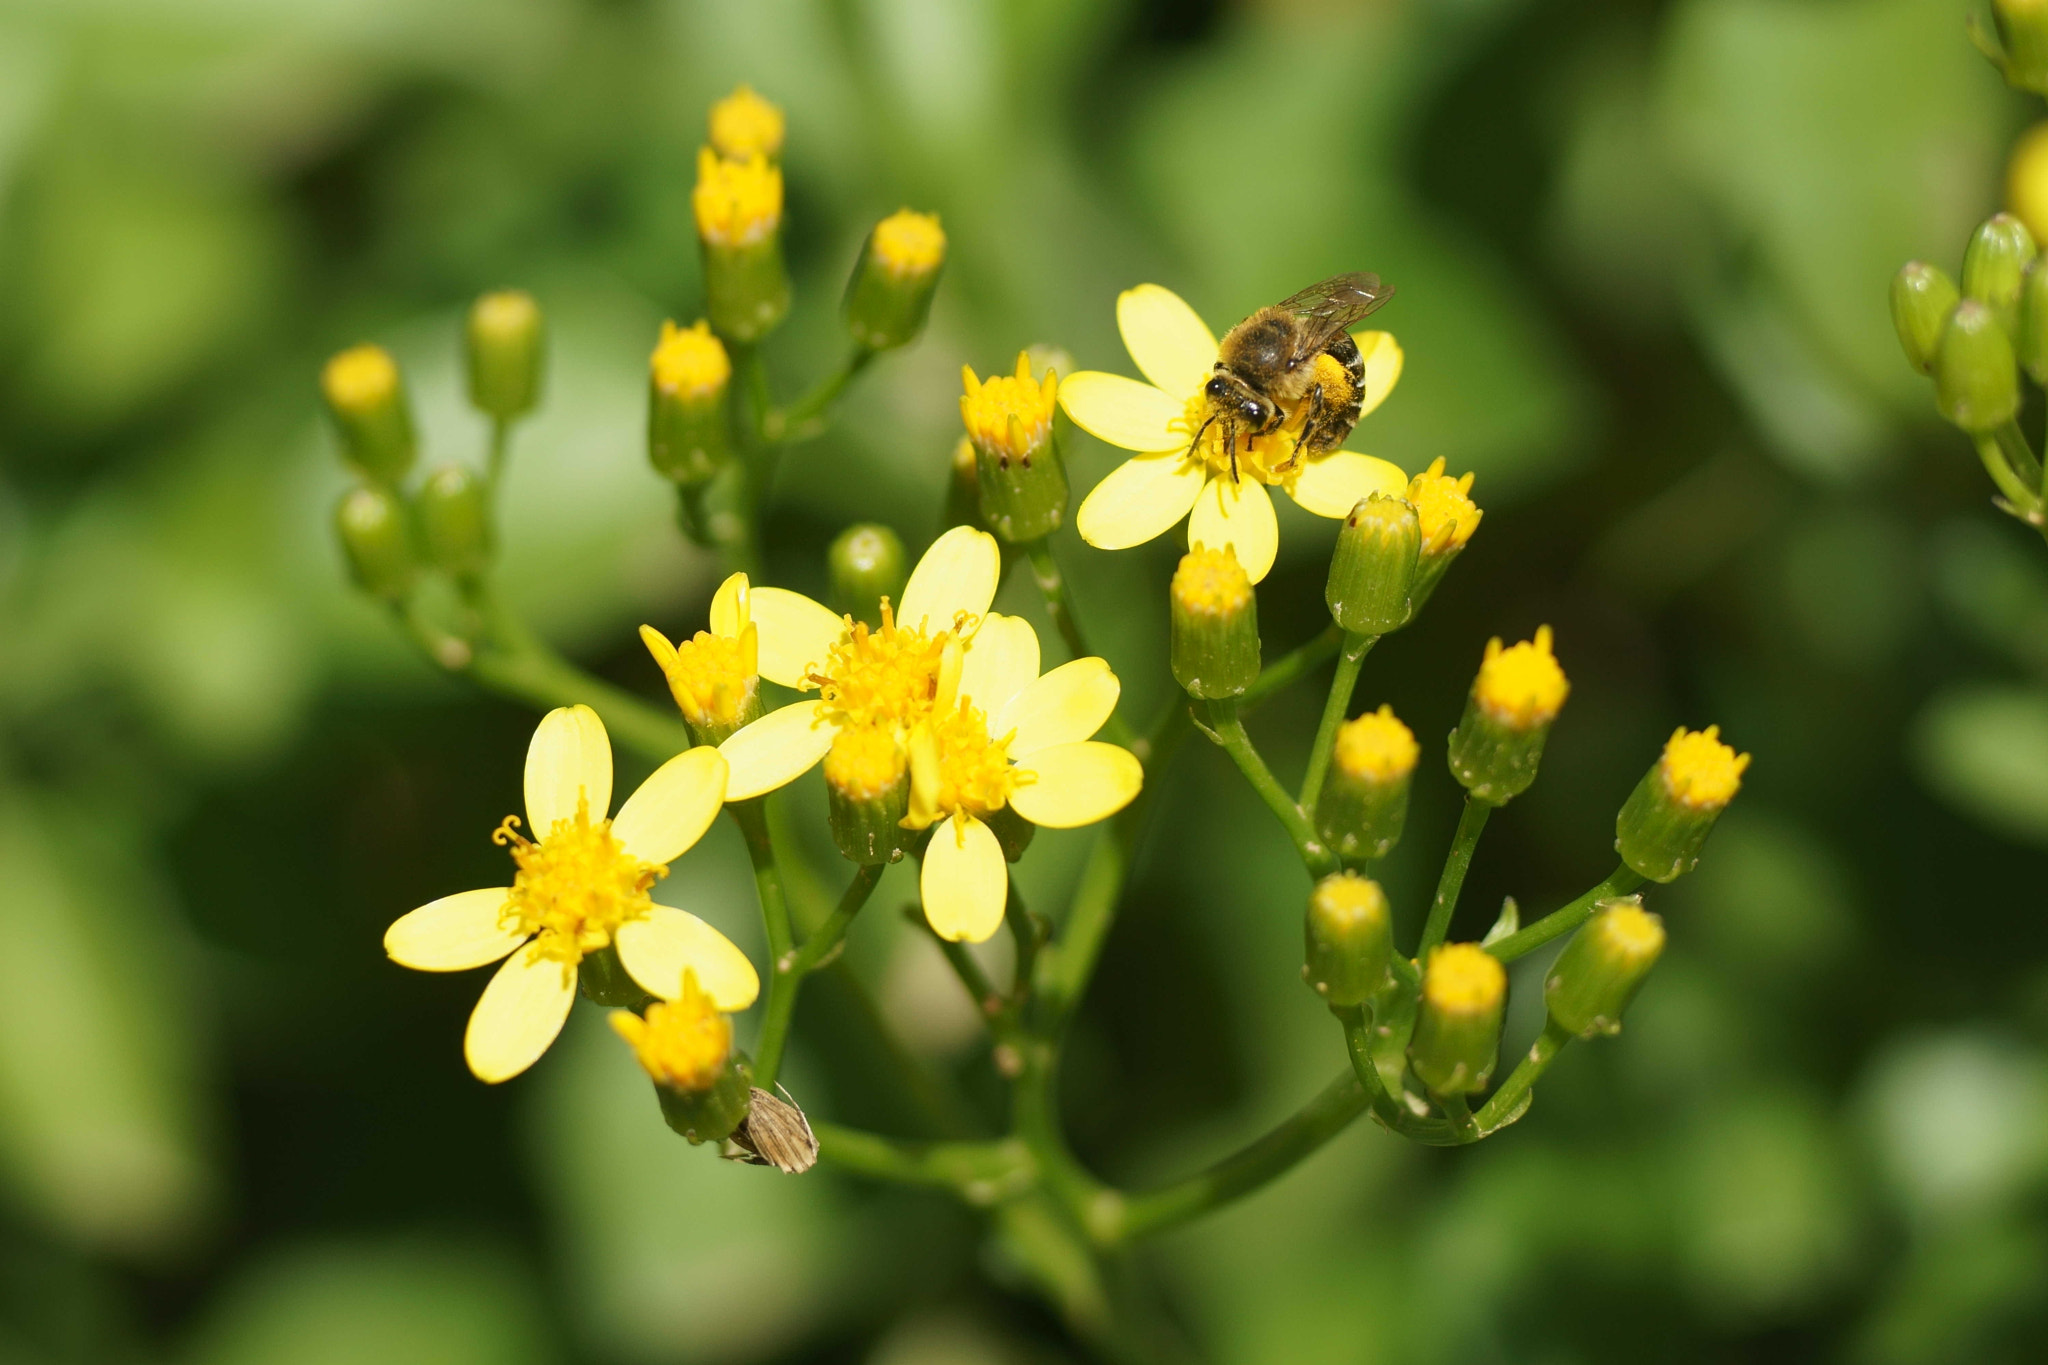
(776, 749)
(1239, 515)
(453, 933)
(729, 606)
(570, 756)
(673, 807)
(958, 573)
(1332, 485)
(521, 1011)
(659, 946)
(1065, 706)
(796, 633)
(1124, 412)
(1140, 499)
(999, 662)
(965, 881)
(1174, 348)
(1077, 784)
(1382, 356)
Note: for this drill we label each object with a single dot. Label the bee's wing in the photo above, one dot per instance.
(1331, 306)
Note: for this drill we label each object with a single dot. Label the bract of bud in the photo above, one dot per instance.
(867, 793)
(738, 206)
(1350, 939)
(689, 434)
(1976, 375)
(1457, 1022)
(1601, 969)
(371, 523)
(1667, 818)
(454, 512)
(1018, 471)
(1495, 751)
(866, 565)
(743, 124)
(685, 1046)
(2032, 343)
(714, 678)
(1214, 640)
(889, 294)
(2023, 32)
(1922, 296)
(1373, 569)
(506, 339)
(1999, 252)
(366, 397)
(1446, 516)
(1363, 805)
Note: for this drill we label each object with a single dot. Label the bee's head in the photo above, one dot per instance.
(1238, 400)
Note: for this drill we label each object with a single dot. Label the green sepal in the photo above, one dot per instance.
(1922, 298)
(1976, 375)
(1372, 572)
(371, 525)
(1658, 836)
(884, 310)
(1023, 498)
(1492, 761)
(604, 980)
(689, 438)
(1348, 939)
(1994, 264)
(1012, 831)
(710, 1115)
(746, 289)
(869, 832)
(506, 340)
(454, 511)
(1454, 1052)
(1361, 819)
(1602, 968)
(1214, 655)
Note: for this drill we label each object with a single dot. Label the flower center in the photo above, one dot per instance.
(360, 378)
(962, 769)
(909, 245)
(738, 201)
(864, 764)
(1522, 687)
(1376, 747)
(690, 362)
(1700, 771)
(744, 124)
(1009, 416)
(712, 679)
(1444, 509)
(683, 1044)
(1268, 458)
(1463, 978)
(1211, 583)
(887, 678)
(575, 888)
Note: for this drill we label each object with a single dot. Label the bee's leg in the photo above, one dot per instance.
(1311, 425)
(1230, 435)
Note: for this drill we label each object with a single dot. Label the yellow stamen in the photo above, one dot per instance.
(864, 764)
(1349, 901)
(1009, 416)
(712, 677)
(887, 677)
(1632, 931)
(738, 202)
(1376, 747)
(689, 362)
(1443, 508)
(1701, 772)
(683, 1044)
(1268, 458)
(360, 379)
(909, 245)
(955, 768)
(1522, 687)
(743, 124)
(1463, 978)
(1211, 583)
(575, 888)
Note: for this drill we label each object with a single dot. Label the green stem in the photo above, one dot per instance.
(797, 422)
(1292, 666)
(994, 1167)
(1471, 822)
(753, 823)
(501, 442)
(1390, 1113)
(2022, 498)
(1511, 1101)
(1619, 883)
(2012, 442)
(719, 515)
(1026, 933)
(788, 971)
(988, 1001)
(1342, 685)
(1228, 731)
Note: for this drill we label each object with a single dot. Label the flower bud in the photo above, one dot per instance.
(715, 679)
(1667, 818)
(1350, 939)
(1601, 969)
(366, 397)
(1374, 566)
(867, 793)
(1999, 252)
(1364, 801)
(866, 564)
(1457, 1022)
(378, 543)
(1022, 480)
(506, 338)
(1922, 296)
(454, 513)
(685, 1046)
(738, 206)
(2023, 32)
(889, 294)
(1215, 625)
(689, 436)
(1446, 517)
(1976, 379)
(1497, 746)
(743, 124)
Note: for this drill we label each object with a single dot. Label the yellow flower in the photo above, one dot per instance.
(738, 201)
(1700, 772)
(581, 888)
(1523, 686)
(683, 1045)
(744, 124)
(909, 245)
(1009, 416)
(714, 676)
(1168, 480)
(1444, 510)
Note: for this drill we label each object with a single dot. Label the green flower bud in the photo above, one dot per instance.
(1922, 296)
(890, 293)
(1976, 379)
(1999, 252)
(506, 338)
(2032, 346)
(1350, 938)
(1022, 480)
(1497, 746)
(1601, 969)
(1215, 625)
(2023, 32)
(738, 206)
(454, 510)
(689, 436)
(867, 793)
(1373, 570)
(1667, 818)
(374, 535)
(1364, 801)
(366, 397)
(866, 563)
(1457, 1022)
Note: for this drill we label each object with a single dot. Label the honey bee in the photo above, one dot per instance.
(1296, 354)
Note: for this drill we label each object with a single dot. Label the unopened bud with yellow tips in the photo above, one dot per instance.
(366, 397)
(1999, 253)
(1976, 373)
(714, 677)
(1372, 572)
(454, 512)
(889, 295)
(1457, 1021)
(1021, 479)
(866, 565)
(1446, 517)
(1364, 802)
(371, 524)
(867, 793)
(1214, 639)
(1601, 969)
(738, 206)
(689, 433)
(1922, 298)
(1498, 744)
(506, 340)
(1350, 939)
(743, 124)
(685, 1046)
(1666, 819)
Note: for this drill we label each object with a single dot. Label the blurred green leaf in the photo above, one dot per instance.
(1984, 749)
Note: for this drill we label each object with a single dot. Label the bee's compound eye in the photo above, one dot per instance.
(1255, 412)
(1216, 388)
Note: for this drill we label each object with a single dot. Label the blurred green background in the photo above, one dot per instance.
(1641, 251)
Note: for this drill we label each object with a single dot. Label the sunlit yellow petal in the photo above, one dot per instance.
(673, 807)
(1140, 499)
(1065, 706)
(959, 573)
(659, 946)
(1382, 356)
(1332, 486)
(1239, 515)
(453, 933)
(796, 633)
(1123, 411)
(1172, 346)
(965, 881)
(776, 749)
(999, 663)
(1077, 784)
(519, 1014)
(570, 756)
(729, 606)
